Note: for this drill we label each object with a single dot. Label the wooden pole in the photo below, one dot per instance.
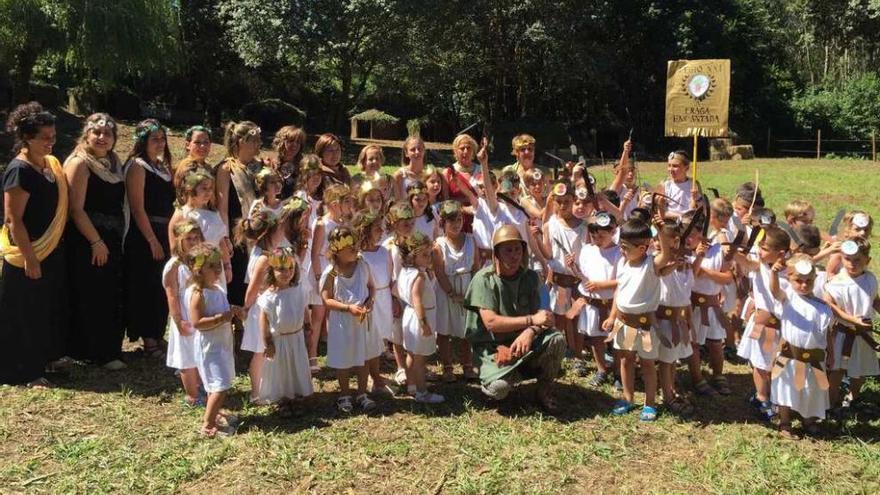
(695, 160)
(873, 146)
(818, 144)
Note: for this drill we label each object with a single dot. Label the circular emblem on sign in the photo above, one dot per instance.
(698, 86)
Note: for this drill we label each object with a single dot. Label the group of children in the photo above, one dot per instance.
(381, 264)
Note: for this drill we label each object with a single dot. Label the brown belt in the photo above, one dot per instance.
(581, 300)
(764, 329)
(849, 339)
(565, 280)
(677, 317)
(705, 303)
(802, 357)
(634, 326)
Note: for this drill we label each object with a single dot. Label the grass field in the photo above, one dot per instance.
(102, 432)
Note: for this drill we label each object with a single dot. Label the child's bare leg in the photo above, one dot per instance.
(444, 349)
(362, 375)
(649, 375)
(373, 366)
(342, 378)
(416, 371)
(317, 322)
(598, 346)
(465, 354)
(578, 339)
(834, 379)
(762, 384)
(212, 409)
(399, 356)
(716, 356)
(190, 380)
(855, 387)
(694, 367)
(255, 370)
(666, 381)
(564, 324)
(627, 374)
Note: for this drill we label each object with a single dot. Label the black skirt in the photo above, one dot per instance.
(33, 329)
(146, 307)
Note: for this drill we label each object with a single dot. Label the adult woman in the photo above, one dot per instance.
(33, 280)
(97, 195)
(523, 148)
(289, 142)
(463, 148)
(151, 200)
(411, 168)
(235, 191)
(328, 147)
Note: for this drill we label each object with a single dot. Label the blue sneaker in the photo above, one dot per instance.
(621, 407)
(766, 410)
(648, 414)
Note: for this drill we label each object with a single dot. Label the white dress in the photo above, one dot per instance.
(181, 353)
(804, 323)
(413, 340)
(212, 226)
(563, 240)
(597, 265)
(394, 334)
(638, 292)
(713, 329)
(856, 297)
(426, 227)
(749, 348)
(379, 262)
(314, 294)
(286, 375)
(346, 336)
(675, 292)
(252, 340)
(214, 347)
(457, 266)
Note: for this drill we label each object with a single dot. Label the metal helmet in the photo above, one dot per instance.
(505, 233)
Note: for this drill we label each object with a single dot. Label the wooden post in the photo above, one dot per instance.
(695, 160)
(818, 144)
(873, 146)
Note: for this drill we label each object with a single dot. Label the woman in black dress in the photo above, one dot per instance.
(235, 192)
(151, 201)
(34, 274)
(97, 196)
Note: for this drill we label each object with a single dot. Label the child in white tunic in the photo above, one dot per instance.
(852, 295)
(455, 260)
(264, 232)
(424, 221)
(348, 292)
(673, 322)
(181, 336)
(597, 267)
(210, 314)
(680, 189)
(761, 335)
(286, 374)
(368, 227)
(709, 323)
(419, 314)
(799, 382)
(399, 221)
(632, 322)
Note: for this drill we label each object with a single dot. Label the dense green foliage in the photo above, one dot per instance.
(595, 66)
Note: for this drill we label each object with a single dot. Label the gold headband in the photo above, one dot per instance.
(184, 228)
(196, 177)
(295, 205)
(339, 243)
(282, 258)
(201, 260)
(450, 208)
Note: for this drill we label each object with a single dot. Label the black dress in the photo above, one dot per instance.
(146, 307)
(237, 288)
(33, 325)
(96, 292)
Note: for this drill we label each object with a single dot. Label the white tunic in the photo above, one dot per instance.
(346, 336)
(749, 348)
(804, 323)
(713, 329)
(856, 297)
(638, 287)
(286, 375)
(425, 226)
(680, 194)
(413, 340)
(209, 221)
(214, 347)
(252, 340)
(379, 262)
(564, 240)
(181, 353)
(598, 265)
(457, 267)
(675, 292)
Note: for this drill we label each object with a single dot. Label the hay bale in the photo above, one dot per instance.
(741, 152)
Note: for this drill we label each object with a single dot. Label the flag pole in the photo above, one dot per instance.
(695, 160)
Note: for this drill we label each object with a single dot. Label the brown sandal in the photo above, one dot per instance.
(787, 433)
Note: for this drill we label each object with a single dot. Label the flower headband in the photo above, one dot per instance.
(146, 131)
(294, 205)
(184, 228)
(281, 258)
(415, 190)
(196, 177)
(100, 123)
(197, 128)
(399, 212)
(450, 208)
(416, 242)
(339, 243)
(200, 260)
